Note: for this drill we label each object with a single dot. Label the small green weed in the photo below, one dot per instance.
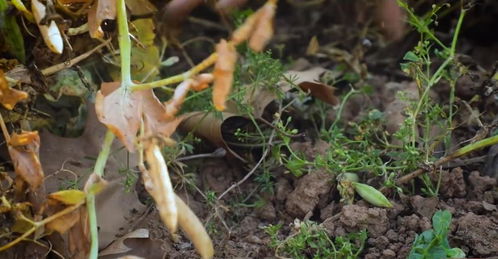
(433, 243)
(312, 241)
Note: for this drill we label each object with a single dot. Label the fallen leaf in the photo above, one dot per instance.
(121, 111)
(320, 91)
(68, 197)
(223, 73)
(9, 97)
(23, 139)
(118, 246)
(25, 160)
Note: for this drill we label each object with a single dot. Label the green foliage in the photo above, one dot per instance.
(11, 33)
(433, 243)
(312, 241)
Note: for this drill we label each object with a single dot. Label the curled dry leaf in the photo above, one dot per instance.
(79, 235)
(158, 184)
(50, 33)
(9, 97)
(194, 230)
(120, 111)
(223, 73)
(263, 30)
(118, 246)
(173, 105)
(64, 223)
(308, 81)
(25, 159)
(156, 121)
(100, 11)
(202, 81)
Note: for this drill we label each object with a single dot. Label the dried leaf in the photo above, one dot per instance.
(50, 33)
(9, 97)
(120, 111)
(158, 184)
(79, 235)
(194, 229)
(94, 184)
(68, 197)
(100, 11)
(25, 160)
(140, 7)
(313, 46)
(118, 246)
(263, 30)
(156, 121)
(202, 81)
(223, 73)
(23, 139)
(320, 91)
(173, 105)
(64, 223)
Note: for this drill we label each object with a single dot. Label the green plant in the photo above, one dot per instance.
(312, 241)
(433, 243)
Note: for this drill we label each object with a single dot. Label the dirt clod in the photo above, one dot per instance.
(478, 232)
(355, 218)
(307, 193)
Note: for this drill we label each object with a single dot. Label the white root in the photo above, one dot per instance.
(51, 34)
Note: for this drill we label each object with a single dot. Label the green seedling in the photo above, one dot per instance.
(433, 243)
(312, 241)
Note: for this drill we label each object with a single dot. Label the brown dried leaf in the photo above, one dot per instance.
(263, 30)
(9, 97)
(25, 160)
(120, 111)
(100, 11)
(79, 235)
(156, 119)
(320, 91)
(313, 46)
(64, 223)
(23, 139)
(223, 73)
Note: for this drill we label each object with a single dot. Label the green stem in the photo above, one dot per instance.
(124, 44)
(90, 198)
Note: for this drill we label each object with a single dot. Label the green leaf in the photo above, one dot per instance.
(410, 56)
(455, 253)
(12, 36)
(441, 222)
(372, 195)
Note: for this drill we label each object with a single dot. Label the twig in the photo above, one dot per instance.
(56, 68)
(252, 170)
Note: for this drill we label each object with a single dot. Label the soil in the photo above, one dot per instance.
(236, 223)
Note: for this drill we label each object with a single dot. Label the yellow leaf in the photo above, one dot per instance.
(68, 197)
(9, 97)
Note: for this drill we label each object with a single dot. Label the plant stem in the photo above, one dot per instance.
(90, 198)
(178, 78)
(124, 44)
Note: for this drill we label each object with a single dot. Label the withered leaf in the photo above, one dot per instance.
(120, 110)
(65, 222)
(94, 184)
(9, 97)
(320, 91)
(223, 73)
(263, 30)
(79, 235)
(157, 121)
(25, 159)
(100, 11)
(68, 197)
